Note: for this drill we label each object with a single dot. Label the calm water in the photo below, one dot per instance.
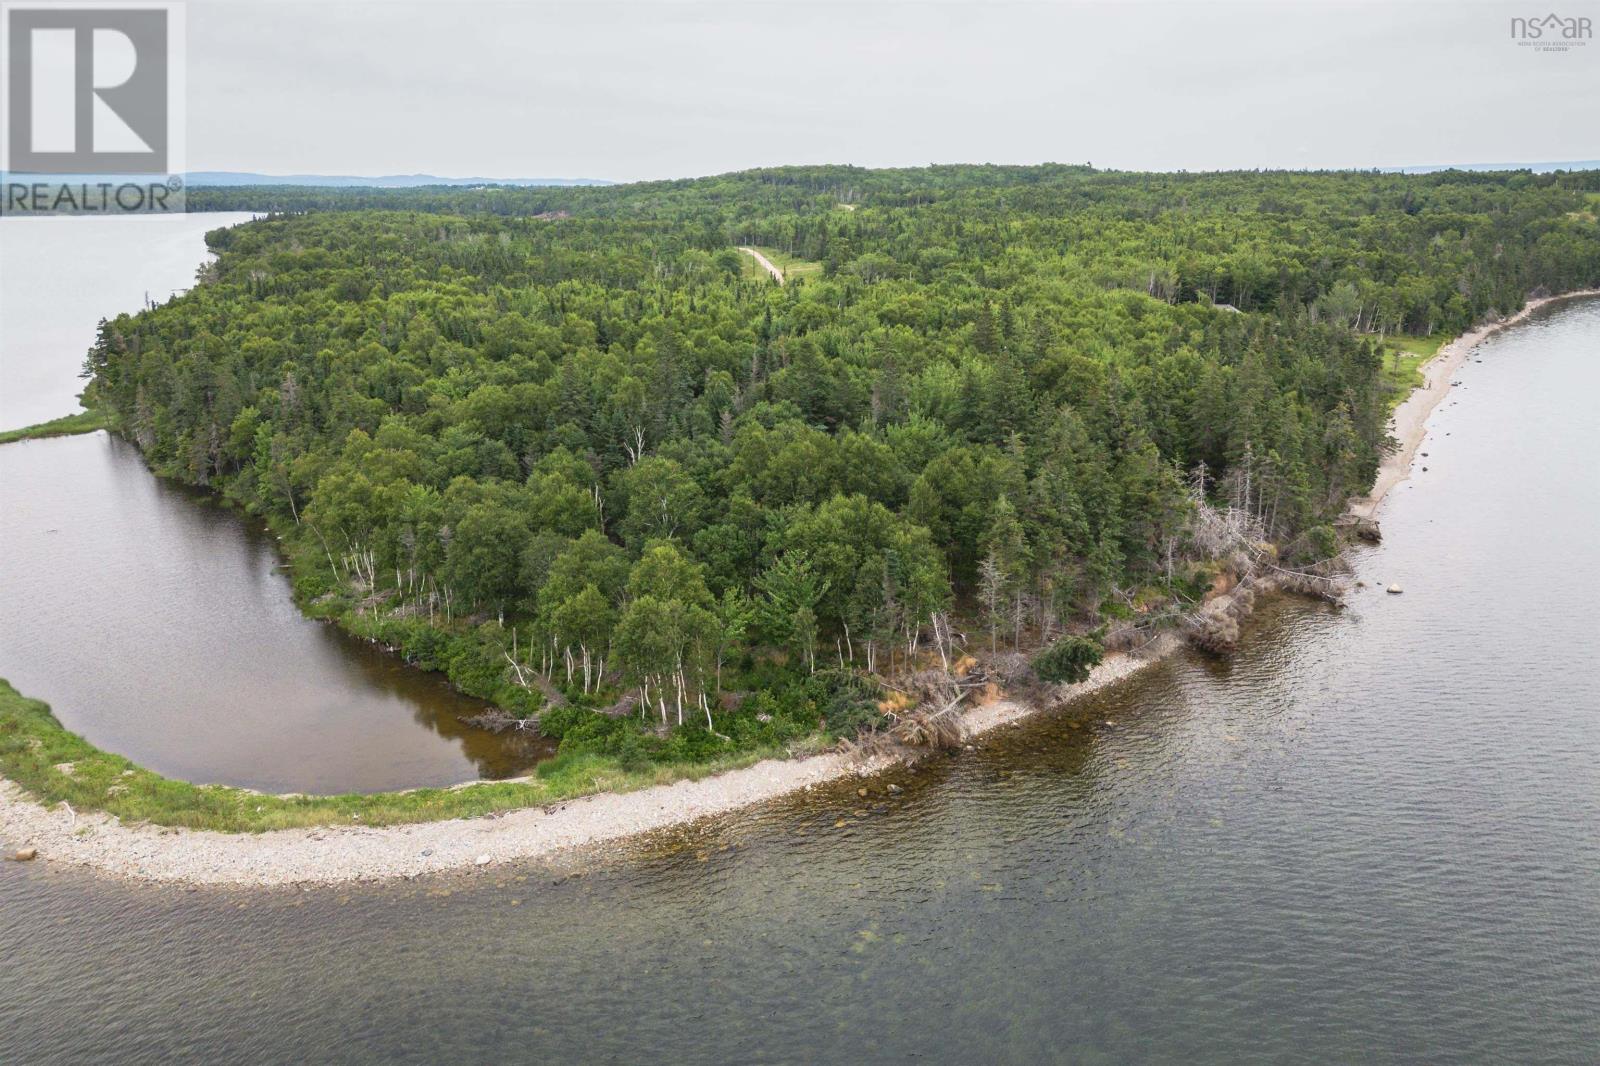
(160, 626)
(1372, 837)
(60, 276)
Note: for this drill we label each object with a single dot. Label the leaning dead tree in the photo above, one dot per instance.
(1220, 532)
(498, 720)
(1214, 626)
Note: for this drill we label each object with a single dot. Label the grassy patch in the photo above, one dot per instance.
(793, 267)
(55, 765)
(82, 422)
(1402, 363)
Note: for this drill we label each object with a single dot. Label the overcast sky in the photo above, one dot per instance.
(669, 89)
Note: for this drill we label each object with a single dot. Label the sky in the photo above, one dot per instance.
(669, 88)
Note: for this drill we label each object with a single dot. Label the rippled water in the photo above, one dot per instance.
(1373, 836)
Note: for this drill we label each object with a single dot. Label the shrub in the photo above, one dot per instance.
(1068, 660)
(556, 721)
(634, 751)
(1321, 542)
(424, 645)
(587, 730)
(848, 701)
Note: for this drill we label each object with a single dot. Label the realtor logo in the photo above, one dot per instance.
(92, 91)
(1552, 32)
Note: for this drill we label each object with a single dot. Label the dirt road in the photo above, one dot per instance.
(766, 263)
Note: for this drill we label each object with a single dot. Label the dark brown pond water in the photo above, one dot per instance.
(160, 626)
(1374, 836)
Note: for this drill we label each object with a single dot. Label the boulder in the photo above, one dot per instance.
(1362, 527)
(1395, 590)
(26, 854)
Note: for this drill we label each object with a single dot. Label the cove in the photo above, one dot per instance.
(160, 626)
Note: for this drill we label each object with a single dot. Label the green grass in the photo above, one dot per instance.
(1402, 363)
(82, 422)
(793, 268)
(55, 765)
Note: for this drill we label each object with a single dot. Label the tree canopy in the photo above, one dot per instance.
(583, 412)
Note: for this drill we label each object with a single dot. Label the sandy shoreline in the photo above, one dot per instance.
(1410, 422)
(341, 854)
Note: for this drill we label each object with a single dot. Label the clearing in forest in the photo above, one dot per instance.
(782, 266)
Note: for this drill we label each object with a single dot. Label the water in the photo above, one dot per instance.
(60, 276)
(160, 625)
(1373, 836)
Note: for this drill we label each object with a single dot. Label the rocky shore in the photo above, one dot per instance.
(342, 854)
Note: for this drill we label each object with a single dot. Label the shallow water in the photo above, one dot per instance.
(1373, 836)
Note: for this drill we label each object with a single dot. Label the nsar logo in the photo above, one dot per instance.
(1552, 33)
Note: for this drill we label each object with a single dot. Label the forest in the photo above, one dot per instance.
(575, 448)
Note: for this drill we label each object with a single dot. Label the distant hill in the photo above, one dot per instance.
(386, 181)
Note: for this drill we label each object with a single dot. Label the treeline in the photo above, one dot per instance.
(1403, 253)
(567, 444)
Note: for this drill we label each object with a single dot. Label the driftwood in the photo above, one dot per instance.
(922, 728)
(935, 720)
(497, 720)
(1320, 580)
(1214, 627)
